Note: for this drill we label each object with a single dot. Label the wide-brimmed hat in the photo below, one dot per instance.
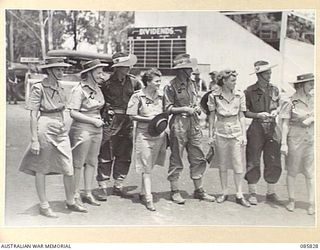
(51, 62)
(158, 124)
(96, 63)
(213, 73)
(261, 66)
(204, 103)
(304, 78)
(183, 61)
(123, 60)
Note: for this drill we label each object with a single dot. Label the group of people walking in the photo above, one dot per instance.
(121, 122)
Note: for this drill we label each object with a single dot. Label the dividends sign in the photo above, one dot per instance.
(157, 32)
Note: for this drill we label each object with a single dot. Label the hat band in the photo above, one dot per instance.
(262, 68)
(121, 59)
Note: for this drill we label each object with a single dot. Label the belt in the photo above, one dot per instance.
(119, 111)
(267, 120)
(222, 118)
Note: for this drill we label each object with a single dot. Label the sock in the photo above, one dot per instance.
(271, 188)
(44, 205)
(252, 188)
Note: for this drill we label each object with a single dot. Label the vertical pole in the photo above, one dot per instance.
(50, 30)
(43, 41)
(11, 38)
(283, 36)
(106, 32)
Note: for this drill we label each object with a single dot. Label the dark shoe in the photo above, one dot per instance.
(120, 192)
(243, 202)
(77, 208)
(48, 212)
(222, 198)
(150, 206)
(253, 199)
(273, 198)
(177, 198)
(290, 206)
(102, 195)
(311, 210)
(202, 195)
(90, 200)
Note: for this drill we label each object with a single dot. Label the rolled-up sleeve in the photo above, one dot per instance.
(76, 98)
(168, 97)
(133, 105)
(35, 97)
(243, 104)
(211, 102)
(285, 109)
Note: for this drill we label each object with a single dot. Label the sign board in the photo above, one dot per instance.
(29, 60)
(157, 33)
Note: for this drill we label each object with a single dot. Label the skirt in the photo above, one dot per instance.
(228, 154)
(55, 155)
(149, 151)
(85, 144)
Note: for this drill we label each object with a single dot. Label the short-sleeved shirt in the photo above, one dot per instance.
(86, 98)
(260, 99)
(117, 93)
(180, 94)
(297, 110)
(227, 111)
(46, 97)
(141, 104)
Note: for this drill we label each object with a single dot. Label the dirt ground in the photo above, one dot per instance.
(21, 207)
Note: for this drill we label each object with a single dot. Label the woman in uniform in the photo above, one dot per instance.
(227, 132)
(49, 151)
(86, 129)
(298, 138)
(150, 149)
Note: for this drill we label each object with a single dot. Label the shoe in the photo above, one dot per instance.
(77, 208)
(290, 206)
(311, 210)
(120, 192)
(90, 200)
(176, 197)
(48, 212)
(202, 195)
(150, 206)
(142, 198)
(273, 198)
(243, 202)
(222, 198)
(102, 195)
(253, 199)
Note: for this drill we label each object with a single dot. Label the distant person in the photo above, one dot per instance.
(262, 101)
(200, 83)
(12, 82)
(150, 144)
(181, 100)
(85, 133)
(213, 83)
(116, 147)
(297, 144)
(49, 151)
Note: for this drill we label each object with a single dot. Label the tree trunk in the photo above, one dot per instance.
(11, 38)
(106, 31)
(75, 16)
(50, 31)
(43, 41)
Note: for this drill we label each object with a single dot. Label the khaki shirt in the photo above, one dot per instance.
(227, 112)
(85, 97)
(46, 98)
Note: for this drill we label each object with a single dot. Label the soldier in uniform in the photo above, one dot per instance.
(180, 99)
(262, 101)
(116, 147)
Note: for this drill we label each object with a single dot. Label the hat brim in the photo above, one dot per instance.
(263, 70)
(128, 63)
(304, 80)
(152, 124)
(192, 65)
(204, 102)
(54, 65)
(94, 67)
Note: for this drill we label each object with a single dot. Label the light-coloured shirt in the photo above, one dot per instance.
(85, 97)
(46, 98)
(227, 112)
